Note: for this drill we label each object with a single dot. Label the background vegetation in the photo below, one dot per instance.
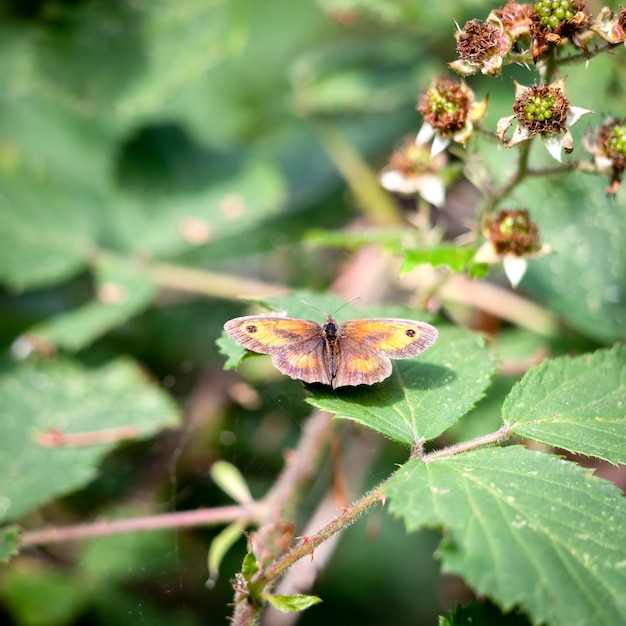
(160, 160)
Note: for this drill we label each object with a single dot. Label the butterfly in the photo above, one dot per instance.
(353, 353)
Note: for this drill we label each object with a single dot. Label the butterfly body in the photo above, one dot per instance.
(353, 353)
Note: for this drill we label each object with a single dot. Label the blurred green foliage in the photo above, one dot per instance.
(143, 139)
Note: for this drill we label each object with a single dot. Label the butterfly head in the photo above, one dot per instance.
(330, 327)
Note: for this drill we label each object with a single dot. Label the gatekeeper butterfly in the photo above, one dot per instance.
(353, 353)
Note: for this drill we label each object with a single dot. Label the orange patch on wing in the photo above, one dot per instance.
(266, 333)
(362, 364)
(308, 361)
(390, 336)
(398, 340)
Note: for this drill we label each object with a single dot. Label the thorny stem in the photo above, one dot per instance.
(478, 442)
(346, 518)
(349, 515)
(576, 59)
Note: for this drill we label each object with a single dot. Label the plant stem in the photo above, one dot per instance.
(349, 515)
(246, 513)
(207, 283)
(309, 544)
(373, 200)
(478, 442)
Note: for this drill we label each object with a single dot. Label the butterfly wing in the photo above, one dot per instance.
(367, 345)
(297, 346)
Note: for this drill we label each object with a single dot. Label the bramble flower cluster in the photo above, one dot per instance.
(486, 46)
(521, 33)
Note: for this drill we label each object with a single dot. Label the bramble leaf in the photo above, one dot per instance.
(525, 528)
(40, 397)
(575, 404)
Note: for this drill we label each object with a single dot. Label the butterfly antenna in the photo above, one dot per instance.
(313, 307)
(335, 311)
(346, 304)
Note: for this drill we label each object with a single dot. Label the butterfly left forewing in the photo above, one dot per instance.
(268, 334)
(296, 346)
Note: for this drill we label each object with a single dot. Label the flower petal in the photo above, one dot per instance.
(425, 134)
(514, 268)
(440, 143)
(574, 114)
(487, 253)
(521, 133)
(433, 190)
(554, 145)
(504, 123)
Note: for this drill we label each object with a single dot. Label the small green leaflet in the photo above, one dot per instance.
(9, 542)
(291, 604)
(457, 259)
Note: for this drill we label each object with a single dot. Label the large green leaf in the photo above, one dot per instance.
(575, 404)
(45, 230)
(524, 528)
(424, 396)
(38, 396)
(584, 280)
(123, 289)
(233, 201)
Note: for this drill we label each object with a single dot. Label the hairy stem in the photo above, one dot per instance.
(246, 513)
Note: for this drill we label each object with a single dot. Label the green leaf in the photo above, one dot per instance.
(123, 289)
(231, 349)
(424, 396)
(525, 528)
(482, 614)
(60, 601)
(233, 201)
(229, 479)
(59, 395)
(250, 566)
(585, 280)
(9, 542)
(220, 545)
(575, 404)
(291, 604)
(457, 259)
(44, 235)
